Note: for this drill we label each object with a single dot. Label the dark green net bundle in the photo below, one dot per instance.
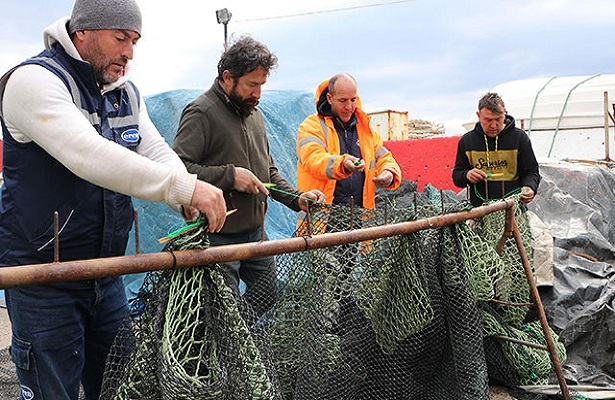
(410, 316)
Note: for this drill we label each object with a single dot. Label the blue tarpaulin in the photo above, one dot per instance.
(283, 111)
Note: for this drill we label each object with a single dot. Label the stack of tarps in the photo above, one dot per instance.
(577, 203)
(283, 111)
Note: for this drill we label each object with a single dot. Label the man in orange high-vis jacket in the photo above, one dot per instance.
(339, 154)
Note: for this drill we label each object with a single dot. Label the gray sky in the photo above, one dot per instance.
(432, 58)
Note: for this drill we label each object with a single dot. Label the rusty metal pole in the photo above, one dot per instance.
(308, 220)
(607, 146)
(262, 221)
(386, 211)
(56, 237)
(351, 213)
(511, 229)
(557, 366)
(508, 230)
(137, 244)
(442, 200)
(38, 274)
(503, 190)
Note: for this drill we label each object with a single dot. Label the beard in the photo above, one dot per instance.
(103, 77)
(244, 106)
(104, 69)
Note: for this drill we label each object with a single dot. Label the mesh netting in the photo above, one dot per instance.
(405, 317)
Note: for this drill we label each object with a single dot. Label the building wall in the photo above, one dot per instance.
(428, 160)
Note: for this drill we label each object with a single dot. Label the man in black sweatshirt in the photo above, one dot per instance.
(495, 159)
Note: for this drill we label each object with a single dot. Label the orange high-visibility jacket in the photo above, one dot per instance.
(320, 162)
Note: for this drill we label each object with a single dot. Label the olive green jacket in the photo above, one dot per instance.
(213, 139)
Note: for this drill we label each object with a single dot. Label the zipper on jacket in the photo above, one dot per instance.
(244, 129)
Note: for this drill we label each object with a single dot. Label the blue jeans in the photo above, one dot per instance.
(62, 334)
(259, 274)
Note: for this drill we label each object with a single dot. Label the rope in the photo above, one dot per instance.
(178, 232)
(512, 192)
(293, 194)
(474, 185)
(487, 148)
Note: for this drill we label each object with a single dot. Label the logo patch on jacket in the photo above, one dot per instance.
(130, 136)
(26, 393)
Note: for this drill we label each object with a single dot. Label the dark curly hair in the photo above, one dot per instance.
(244, 56)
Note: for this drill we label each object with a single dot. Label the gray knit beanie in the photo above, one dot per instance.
(94, 15)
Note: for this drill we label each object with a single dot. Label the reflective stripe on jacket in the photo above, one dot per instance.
(320, 162)
(94, 222)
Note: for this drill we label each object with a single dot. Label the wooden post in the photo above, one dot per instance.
(557, 366)
(137, 239)
(511, 229)
(56, 237)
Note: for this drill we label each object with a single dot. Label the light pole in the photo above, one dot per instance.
(224, 16)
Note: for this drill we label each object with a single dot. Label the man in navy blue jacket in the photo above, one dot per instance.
(77, 140)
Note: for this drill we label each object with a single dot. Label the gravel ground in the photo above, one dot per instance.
(9, 387)
(5, 329)
(500, 393)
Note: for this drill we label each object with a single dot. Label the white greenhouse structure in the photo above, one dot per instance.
(566, 117)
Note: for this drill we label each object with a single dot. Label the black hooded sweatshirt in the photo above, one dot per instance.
(507, 158)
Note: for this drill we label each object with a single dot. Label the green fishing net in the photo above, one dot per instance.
(410, 316)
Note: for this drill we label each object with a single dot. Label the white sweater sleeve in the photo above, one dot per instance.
(38, 107)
